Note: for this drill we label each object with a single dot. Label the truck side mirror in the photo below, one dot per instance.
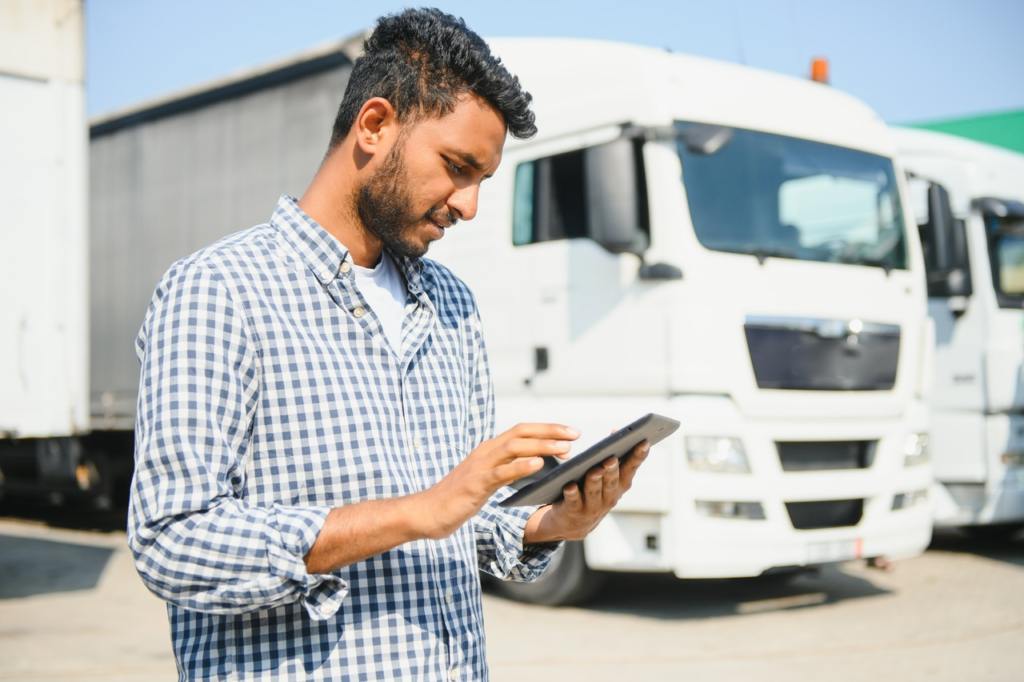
(944, 239)
(616, 198)
(940, 227)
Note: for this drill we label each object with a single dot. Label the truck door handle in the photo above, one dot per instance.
(540, 359)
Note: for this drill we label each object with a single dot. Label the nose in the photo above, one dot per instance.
(463, 201)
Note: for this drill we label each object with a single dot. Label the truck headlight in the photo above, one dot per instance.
(916, 450)
(720, 454)
(911, 499)
(731, 510)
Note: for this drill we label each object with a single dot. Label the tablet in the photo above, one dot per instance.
(548, 488)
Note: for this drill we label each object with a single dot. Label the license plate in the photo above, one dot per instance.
(834, 550)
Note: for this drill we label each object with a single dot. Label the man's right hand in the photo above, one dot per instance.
(497, 462)
(358, 531)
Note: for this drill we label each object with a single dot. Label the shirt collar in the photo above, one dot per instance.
(322, 252)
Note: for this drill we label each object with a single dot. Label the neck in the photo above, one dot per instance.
(330, 201)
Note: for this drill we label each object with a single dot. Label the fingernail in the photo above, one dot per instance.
(645, 448)
(573, 433)
(612, 464)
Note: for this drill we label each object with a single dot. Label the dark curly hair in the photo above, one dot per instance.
(421, 61)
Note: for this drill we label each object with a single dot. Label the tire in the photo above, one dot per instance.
(1003, 532)
(566, 581)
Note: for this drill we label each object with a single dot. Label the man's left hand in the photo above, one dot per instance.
(579, 512)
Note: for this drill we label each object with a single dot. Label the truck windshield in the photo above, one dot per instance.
(775, 196)
(1006, 248)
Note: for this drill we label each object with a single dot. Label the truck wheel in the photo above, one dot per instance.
(566, 581)
(1002, 532)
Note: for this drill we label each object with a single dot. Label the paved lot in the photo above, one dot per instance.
(72, 608)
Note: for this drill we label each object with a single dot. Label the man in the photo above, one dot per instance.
(315, 486)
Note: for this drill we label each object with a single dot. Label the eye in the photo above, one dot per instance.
(451, 166)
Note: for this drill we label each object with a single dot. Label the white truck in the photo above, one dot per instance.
(44, 378)
(970, 203)
(730, 248)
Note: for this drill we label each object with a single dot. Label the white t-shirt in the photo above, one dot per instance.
(385, 292)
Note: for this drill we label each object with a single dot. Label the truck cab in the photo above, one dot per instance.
(733, 249)
(969, 199)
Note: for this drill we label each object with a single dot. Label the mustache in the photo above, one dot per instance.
(443, 217)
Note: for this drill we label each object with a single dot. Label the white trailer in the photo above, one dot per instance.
(44, 400)
(730, 248)
(973, 229)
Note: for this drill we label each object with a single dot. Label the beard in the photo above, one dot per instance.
(385, 207)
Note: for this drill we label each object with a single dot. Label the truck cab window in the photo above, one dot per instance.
(550, 199)
(1007, 250)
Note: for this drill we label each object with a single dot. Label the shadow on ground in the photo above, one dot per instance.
(33, 566)
(30, 566)
(665, 597)
(991, 546)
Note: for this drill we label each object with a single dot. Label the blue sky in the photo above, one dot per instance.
(911, 60)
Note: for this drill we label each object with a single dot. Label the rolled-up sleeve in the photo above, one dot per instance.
(499, 530)
(499, 542)
(197, 543)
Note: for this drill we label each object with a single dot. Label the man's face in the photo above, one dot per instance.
(431, 178)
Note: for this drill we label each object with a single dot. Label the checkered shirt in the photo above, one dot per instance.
(270, 395)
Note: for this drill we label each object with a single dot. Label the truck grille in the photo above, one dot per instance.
(813, 354)
(826, 455)
(827, 514)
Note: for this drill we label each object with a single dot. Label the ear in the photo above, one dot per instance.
(376, 126)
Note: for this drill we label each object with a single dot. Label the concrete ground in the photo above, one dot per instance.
(72, 608)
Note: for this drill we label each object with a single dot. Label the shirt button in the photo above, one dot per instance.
(454, 674)
(345, 267)
(418, 444)
(359, 312)
(327, 609)
(448, 597)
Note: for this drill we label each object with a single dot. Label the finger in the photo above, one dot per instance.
(592, 488)
(531, 447)
(632, 463)
(516, 469)
(557, 432)
(610, 489)
(538, 430)
(573, 500)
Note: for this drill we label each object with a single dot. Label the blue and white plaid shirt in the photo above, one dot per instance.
(269, 395)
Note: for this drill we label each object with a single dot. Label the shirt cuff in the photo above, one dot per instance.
(297, 529)
(514, 561)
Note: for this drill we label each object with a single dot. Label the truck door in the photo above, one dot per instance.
(592, 324)
(960, 318)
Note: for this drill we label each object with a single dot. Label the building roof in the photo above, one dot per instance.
(308, 63)
(1004, 129)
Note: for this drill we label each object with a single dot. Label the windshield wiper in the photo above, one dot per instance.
(763, 253)
(874, 263)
